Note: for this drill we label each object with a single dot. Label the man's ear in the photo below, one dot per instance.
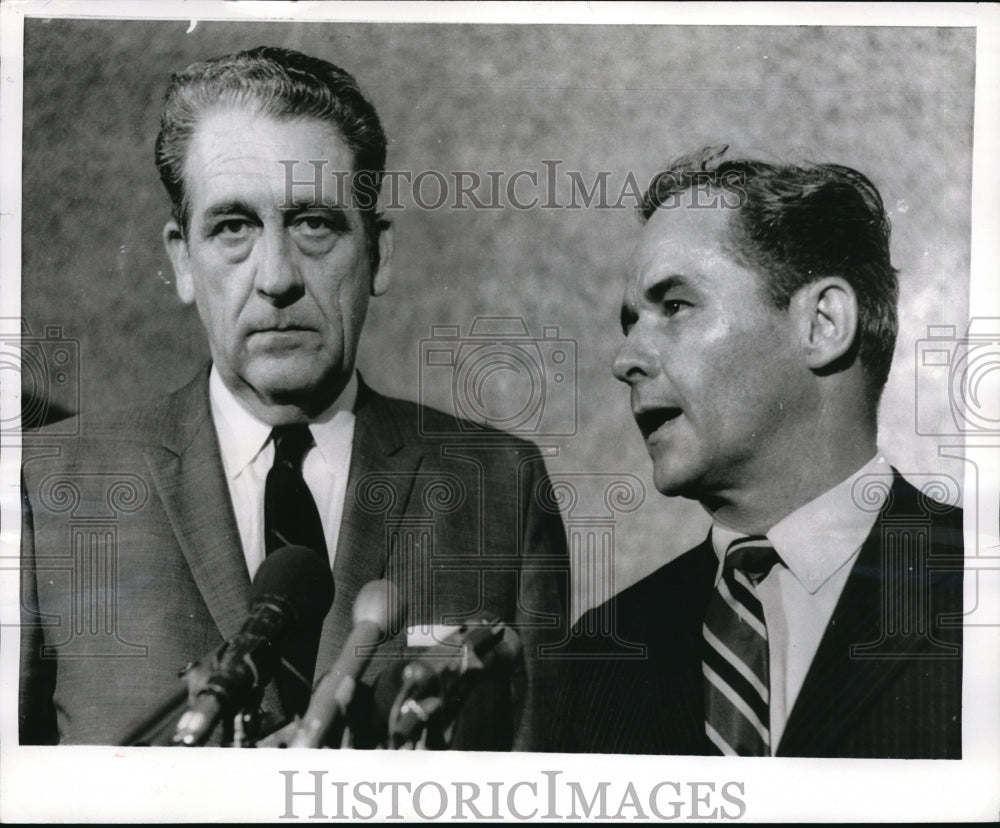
(177, 250)
(383, 275)
(827, 310)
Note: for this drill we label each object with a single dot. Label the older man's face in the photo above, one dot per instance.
(718, 386)
(281, 284)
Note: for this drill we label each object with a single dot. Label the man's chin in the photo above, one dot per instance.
(674, 482)
(282, 383)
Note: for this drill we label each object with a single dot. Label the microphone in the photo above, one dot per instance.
(435, 684)
(377, 608)
(293, 590)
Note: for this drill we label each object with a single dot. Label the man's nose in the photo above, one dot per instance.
(278, 279)
(636, 359)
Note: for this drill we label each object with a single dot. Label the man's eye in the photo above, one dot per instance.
(233, 228)
(313, 226)
(673, 306)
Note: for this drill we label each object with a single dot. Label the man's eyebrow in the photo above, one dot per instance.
(303, 205)
(661, 287)
(229, 207)
(654, 295)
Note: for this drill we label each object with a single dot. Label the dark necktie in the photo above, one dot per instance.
(290, 514)
(292, 519)
(735, 654)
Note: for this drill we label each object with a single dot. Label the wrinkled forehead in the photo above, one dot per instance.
(250, 126)
(239, 147)
(686, 236)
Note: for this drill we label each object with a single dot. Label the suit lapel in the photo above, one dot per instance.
(654, 703)
(687, 690)
(186, 468)
(840, 680)
(187, 471)
(379, 451)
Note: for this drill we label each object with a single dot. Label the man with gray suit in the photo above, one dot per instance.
(142, 535)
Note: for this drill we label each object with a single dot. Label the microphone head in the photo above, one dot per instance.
(385, 690)
(508, 652)
(379, 603)
(299, 578)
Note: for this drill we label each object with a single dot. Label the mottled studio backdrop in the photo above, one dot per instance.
(895, 103)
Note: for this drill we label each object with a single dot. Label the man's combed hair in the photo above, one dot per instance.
(795, 223)
(279, 83)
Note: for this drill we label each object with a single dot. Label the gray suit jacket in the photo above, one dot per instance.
(132, 564)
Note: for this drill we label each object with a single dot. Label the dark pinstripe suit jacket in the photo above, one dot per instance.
(886, 681)
(132, 564)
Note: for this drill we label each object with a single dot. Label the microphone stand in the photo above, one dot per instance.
(293, 589)
(156, 729)
(424, 712)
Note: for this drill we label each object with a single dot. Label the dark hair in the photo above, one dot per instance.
(279, 83)
(795, 223)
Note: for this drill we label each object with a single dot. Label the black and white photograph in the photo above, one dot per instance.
(586, 397)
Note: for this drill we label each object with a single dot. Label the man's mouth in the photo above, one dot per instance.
(650, 420)
(280, 338)
(283, 329)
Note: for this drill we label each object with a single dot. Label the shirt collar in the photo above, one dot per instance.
(333, 430)
(242, 436)
(817, 539)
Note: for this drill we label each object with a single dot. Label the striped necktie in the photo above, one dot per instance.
(735, 657)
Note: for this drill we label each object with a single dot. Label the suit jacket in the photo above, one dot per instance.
(132, 564)
(886, 681)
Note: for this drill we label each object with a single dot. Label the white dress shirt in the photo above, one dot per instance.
(818, 545)
(248, 453)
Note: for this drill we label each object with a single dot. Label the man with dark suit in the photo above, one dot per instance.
(143, 533)
(822, 615)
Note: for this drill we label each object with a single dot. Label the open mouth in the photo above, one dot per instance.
(653, 419)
